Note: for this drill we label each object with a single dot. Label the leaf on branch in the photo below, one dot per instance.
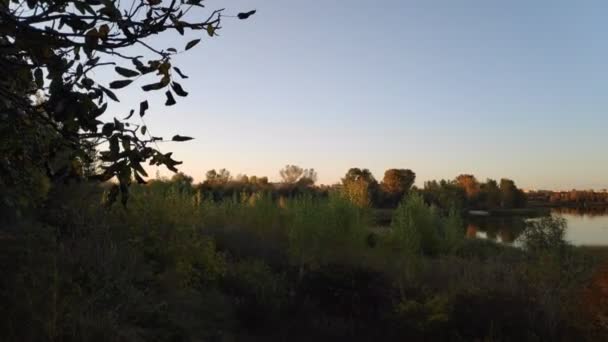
(154, 2)
(104, 30)
(192, 43)
(107, 129)
(126, 72)
(101, 110)
(179, 27)
(246, 15)
(181, 138)
(38, 76)
(130, 115)
(91, 38)
(180, 73)
(163, 69)
(110, 11)
(114, 147)
(153, 86)
(143, 106)
(87, 83)
(120, 84)
(170, 100)
(144, 129)
(110, 93)
(177, 88)
(172, 50)
(92, 61)
(210, 30)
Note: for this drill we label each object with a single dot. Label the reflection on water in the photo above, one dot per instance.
(588, 226)
(590, 212)
(500, 229)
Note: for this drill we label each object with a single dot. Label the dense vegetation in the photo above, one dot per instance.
(572, 198)
(176, 265)
(233, 258)
(361, 187)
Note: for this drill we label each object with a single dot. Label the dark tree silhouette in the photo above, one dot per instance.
(49, 49)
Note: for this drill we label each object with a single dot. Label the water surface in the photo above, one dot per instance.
(588, 227)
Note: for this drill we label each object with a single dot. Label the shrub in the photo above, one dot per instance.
(545, 234)
(416, 227)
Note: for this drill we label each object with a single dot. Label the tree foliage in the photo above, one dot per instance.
(360, 187)
(395, 184)
(55, 49)
(292, 174)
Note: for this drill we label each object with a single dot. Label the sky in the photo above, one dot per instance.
(512, 89)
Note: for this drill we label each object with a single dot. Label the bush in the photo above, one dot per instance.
(415, 227)
(545, 234)
(419, 229)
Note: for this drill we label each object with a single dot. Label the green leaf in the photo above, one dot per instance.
(210, 30)
(126, 72)
(120, 84)
(170, 100)
(192, 43)
(38, 76)
(181, 138)
(143, 106)
(177, 88)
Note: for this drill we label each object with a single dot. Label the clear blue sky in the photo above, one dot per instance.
(512, 89)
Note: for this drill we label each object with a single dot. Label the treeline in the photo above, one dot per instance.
(575, 198)
(361, 187)
(466, 191)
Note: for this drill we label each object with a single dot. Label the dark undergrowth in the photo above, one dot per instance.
(175, 267)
